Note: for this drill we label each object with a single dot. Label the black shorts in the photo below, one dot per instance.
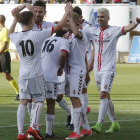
(5, 62)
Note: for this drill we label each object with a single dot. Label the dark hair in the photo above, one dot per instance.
(60, 33)
(40, 3)
(3, 19)
(25, 17)
(77, 10)
(70, 1)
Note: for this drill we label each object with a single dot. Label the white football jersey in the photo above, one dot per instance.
(86, 24)
(28, 45)
(50, 54)
(105, 42)
(43, 25)
(76, 58)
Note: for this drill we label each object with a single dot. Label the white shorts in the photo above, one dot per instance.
(61, 88)
(34, 87)
(74, 84)
(51, 90)
(104, 80)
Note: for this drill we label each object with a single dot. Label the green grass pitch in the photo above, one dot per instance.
(125, 95)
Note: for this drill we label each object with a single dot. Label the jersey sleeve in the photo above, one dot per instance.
(65, 46)
(119, 31)
(13, 37)
(90, 30)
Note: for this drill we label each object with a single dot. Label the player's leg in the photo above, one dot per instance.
(36, 88)
(5, 61)
(111, 114)
(71, 127)
(75, 85)
(86, 128)
(103, 85)
(51, 91)
(24, 96)
(84, 99)
(63, 103)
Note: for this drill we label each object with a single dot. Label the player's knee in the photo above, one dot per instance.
(59, 97)
(104, 94)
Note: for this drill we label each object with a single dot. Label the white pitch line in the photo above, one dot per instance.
(132, 120)
(128, 110)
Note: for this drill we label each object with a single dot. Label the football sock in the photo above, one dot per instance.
(110, 111)
(14, 85)
(84, 119)
(36, 115)
(77, 119)
(49, 123)
(71, 114)
(20, 118)
(29, 106)
(84, 100)
(63, 104)
(102, 110)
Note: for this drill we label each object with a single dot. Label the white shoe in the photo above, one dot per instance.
(30, 136)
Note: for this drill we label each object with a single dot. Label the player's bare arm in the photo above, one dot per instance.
(23, 6)
(63, 20)
(91, 63)
(63, 59)
(132, 26)
(74, 27)
(16, 15)
(87, 79)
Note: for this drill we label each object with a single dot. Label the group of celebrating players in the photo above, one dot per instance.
(51, 66)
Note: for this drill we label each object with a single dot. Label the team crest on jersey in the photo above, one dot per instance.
(107, 35)
(74, 92)
(95, 40)
(105, 87)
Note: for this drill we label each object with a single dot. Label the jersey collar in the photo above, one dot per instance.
(104, 28)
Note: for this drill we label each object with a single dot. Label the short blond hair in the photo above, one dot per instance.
(104, 10)
(75, 17)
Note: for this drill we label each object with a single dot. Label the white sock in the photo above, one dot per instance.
(102, 110)
(36, 115)
(29, 106)
(84, 100)
(71, 114)
(20, 118)
(49, 123)
(63, 104)
(110, 111)
(77, 119)
(84, 119)
(32, 110)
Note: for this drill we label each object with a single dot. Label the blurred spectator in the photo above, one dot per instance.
(105, 1)
(13, 2)
(98, 1)
(133, 2)
(1, 2)
(117, 1)
(126, 1)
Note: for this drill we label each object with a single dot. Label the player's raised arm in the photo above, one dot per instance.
(63, 20)
(132, 25)
(74, 22)
(16, 15)
(21, 7)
